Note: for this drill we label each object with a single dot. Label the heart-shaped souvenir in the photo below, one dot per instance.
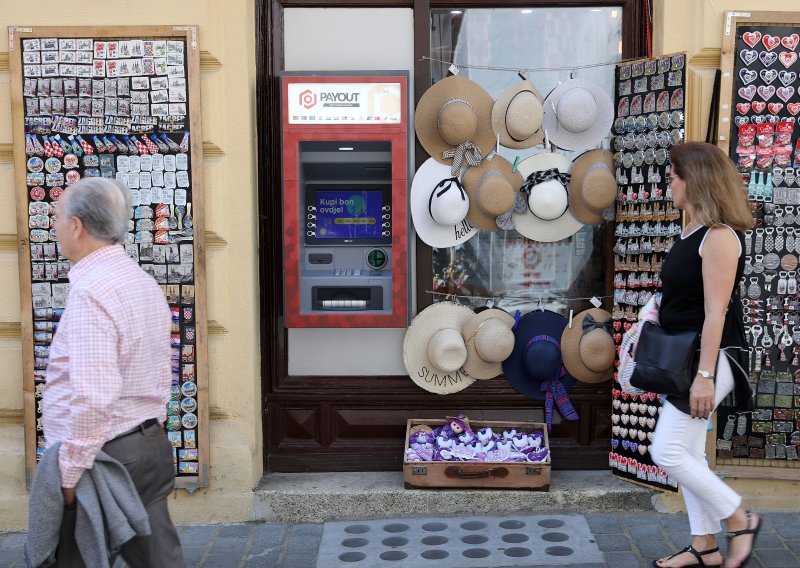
(624, 407)
(768, 58)
(626, 419)
(651, 423)
(617, 325)
(651, 410)
(615, 393)
(787, 77)
(615, 418)
(739, 120)
(787, 58)
(748, 92)
(775, 108)
(660, 408)
(623, 432)
(748, 76)
(790, 41)
(759, 119)
(751, 38)
(615, 403)
(770, 41)
(759, 106)
(642, 449)
(615, 430)
(784, 94)
(625, 396)
(634, 397)
(614, 443)
(651, 435)
(627, 325)
(632, 433)
(742, 108)
(623, 461)
(634, 446)
(766, 91)
(769, 75)
(748, 55)
(642, 435)
(793, 108)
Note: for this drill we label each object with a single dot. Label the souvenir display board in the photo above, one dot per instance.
(650, 97)
(760, 104)
(119, 103)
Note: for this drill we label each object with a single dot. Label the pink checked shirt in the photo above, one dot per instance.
(109, 367)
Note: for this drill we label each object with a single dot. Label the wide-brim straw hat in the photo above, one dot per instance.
(577, 115)
(439, 216)
(490, 340)
(434, 351)
(454, 110)
(550, 200)
(593, 186)
(491, 187)
(533, 361)
(517, 116)
(588, 346)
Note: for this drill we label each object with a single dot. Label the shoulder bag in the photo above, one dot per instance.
(665, 360)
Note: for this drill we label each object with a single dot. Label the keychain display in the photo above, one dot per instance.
(765, 142)
(649, 121)
(114, 108)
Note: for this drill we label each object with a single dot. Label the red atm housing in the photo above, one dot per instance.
(309, 106)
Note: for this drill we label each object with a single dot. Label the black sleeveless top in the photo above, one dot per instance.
(682, 309)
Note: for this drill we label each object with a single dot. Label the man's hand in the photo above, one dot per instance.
(69, 495)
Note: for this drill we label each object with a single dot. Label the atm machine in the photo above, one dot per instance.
(345, 184)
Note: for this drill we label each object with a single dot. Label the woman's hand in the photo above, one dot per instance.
(701, 397)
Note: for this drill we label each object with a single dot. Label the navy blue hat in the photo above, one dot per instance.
(537, 354)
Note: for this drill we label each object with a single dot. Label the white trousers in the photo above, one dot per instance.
(679, 447)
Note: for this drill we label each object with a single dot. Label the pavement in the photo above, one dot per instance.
(622, 540)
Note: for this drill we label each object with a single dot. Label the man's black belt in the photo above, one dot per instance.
(140, 428)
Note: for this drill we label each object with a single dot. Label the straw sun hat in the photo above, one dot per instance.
(491, 187)
(517, 116)
(489, 340)
(453, 122)
(588, 346)
(577, 115)
(592, 187)
(434, 351)
(547, 217)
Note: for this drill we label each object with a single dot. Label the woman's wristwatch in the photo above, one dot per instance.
(705, 374)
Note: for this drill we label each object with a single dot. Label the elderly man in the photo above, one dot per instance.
(108, 377)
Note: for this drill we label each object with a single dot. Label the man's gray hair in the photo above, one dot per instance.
(103, 205)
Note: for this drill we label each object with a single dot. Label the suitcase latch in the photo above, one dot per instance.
(419, 470)
(533, 471)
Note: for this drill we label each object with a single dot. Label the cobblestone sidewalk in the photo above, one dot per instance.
(626, 540)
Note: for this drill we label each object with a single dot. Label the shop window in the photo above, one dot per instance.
(513, 271)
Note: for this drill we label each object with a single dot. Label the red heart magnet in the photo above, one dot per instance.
(793, 108)
(770, 41)
(790, 41)
(625, 395)
(759, 106)
(775, 108)
(743, 108)
(751, 38)
(617, 325)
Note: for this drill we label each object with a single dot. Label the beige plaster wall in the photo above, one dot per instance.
(697, 27)
(227, 46)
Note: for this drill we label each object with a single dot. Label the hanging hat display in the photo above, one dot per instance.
(489, 340)
(491, 187)
(535, 367)
(517, 116)
(434, 352)
(592, 186)
(577, 115)
(439, 206)
(547, 217)
(588, 346)
(453, 122)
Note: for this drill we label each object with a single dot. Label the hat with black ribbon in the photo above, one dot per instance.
(588, 346)
(547, 217)
(453, 122)
(535, 367)
(439, 206)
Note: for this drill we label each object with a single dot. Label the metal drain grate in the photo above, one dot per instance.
(455, 542)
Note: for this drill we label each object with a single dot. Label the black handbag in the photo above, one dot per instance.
(665, 360)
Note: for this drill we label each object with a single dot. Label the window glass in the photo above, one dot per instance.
(515, 272)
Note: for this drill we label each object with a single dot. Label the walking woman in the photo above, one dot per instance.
(700, 277)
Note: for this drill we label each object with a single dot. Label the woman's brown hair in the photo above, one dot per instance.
(713, 186)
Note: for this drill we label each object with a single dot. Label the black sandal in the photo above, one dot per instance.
(754, 531)
(697, 554)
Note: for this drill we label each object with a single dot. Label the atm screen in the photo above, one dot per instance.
(348, 214)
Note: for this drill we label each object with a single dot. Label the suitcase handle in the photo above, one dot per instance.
(454, 471)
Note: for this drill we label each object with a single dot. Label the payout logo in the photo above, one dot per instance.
(308, 98)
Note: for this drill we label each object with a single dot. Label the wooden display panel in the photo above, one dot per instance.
(759, 85)
(165, 53)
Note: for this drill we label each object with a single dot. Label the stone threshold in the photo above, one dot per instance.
(337, 496)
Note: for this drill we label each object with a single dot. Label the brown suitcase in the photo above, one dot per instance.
(479, 475)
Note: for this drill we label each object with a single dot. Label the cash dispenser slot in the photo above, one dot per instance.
(349, 298)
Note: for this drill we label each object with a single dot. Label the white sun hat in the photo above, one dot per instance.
(577, 115)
